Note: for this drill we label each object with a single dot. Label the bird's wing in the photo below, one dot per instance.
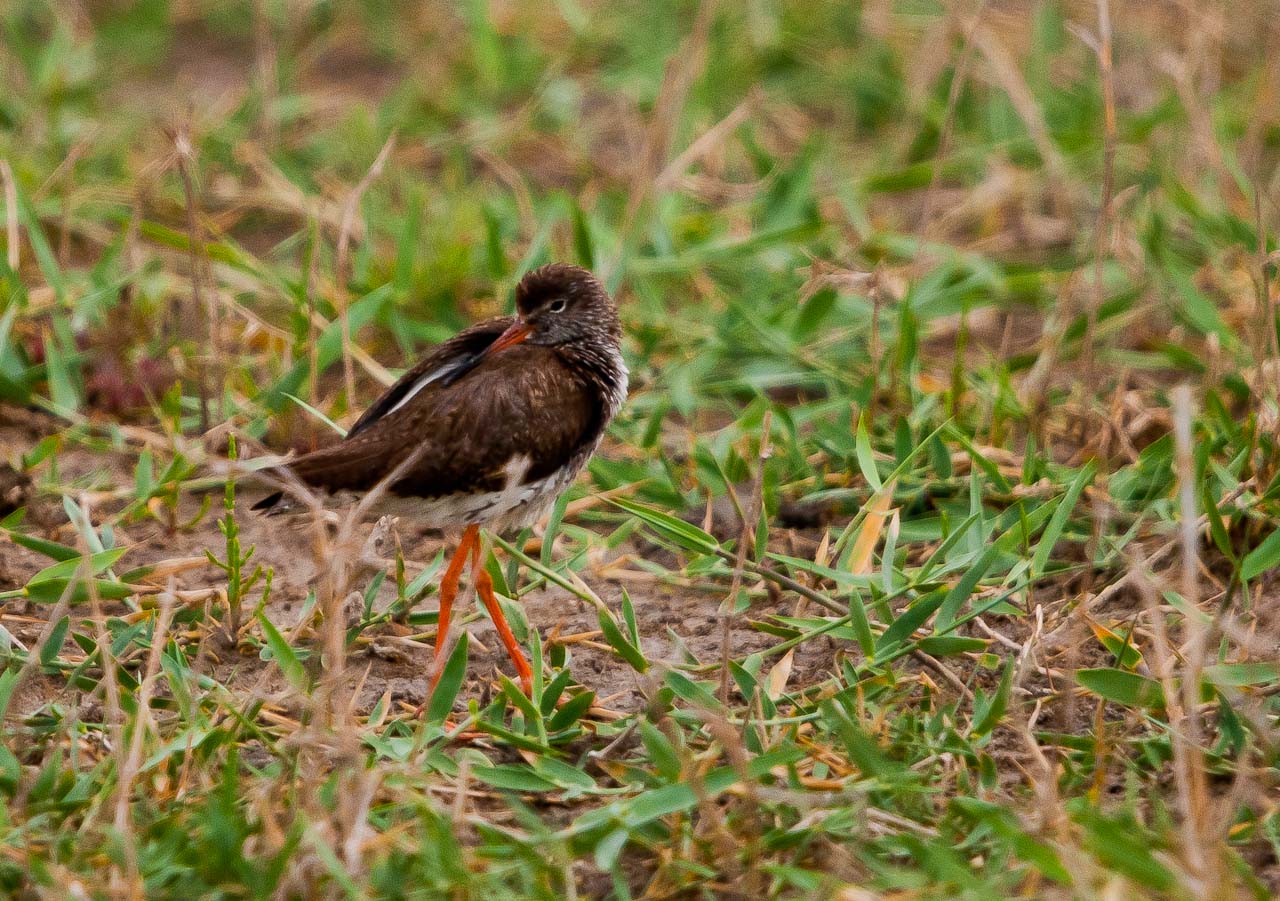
(446, 363)
(521, 408)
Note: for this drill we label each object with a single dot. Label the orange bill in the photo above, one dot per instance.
(515, 334)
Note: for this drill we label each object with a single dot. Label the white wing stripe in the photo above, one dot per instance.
(422, 382)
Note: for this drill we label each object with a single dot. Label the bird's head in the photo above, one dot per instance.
(560, 304)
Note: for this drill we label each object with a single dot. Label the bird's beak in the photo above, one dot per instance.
(515, 334)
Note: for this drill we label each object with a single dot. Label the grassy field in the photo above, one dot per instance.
(934, 554)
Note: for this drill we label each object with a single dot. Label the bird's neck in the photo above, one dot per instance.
(601, 368)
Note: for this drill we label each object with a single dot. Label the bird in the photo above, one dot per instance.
(489, 428)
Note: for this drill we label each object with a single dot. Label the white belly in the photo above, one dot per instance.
(516, 505)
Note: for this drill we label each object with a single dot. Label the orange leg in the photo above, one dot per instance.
(484, 586)
(448, 591)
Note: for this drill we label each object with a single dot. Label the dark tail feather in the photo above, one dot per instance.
(352, 464)
(269, 501)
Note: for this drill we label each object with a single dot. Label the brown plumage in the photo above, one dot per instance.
(493, 424)
(465, 413)
(523, 401)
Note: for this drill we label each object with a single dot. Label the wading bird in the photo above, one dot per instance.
(490, 427)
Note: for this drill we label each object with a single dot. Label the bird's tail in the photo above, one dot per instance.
(268, 503)
(354, 464)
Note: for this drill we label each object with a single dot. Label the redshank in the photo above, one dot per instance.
(490, 427)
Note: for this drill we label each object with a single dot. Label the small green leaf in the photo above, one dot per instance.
(866, 458)
(670, 527)
(8, 681)
(39, 242)
(570, 711)
(1119, 645)
(625, 649)
(813, 312)
(446, 690)
(62, 390)
(316, 414)
(1053, 531)
(1241, 674)
(691, 691)
(68, 568)
(609, 848)
(284, 654)
(909, 620)
(862, 748)
(1263, 558)
(508, 776)
(519, 700)
(629, 616)
(662, 754)
(49, 651)
(951, 645)
(665, 800)
(943, 551)
(939, 458)
(582, 244)
(861, 624)
(963, 589)
(43, 546)
(562, 774)
(1122, 687)
(553, 527)
(1217, 528)
(549, 697)
(515, 739)
(980, 460)
(51, 591)
(986, 716)
(1122, 844)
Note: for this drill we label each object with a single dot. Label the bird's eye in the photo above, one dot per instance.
(557, 305)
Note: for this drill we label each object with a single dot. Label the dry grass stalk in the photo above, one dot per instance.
(338, 561)
(51, 620)
(342, 263)
(264, 59)
(67, 170)
(706, 143)
(275, 193)
(1195, 75)
(959, 76)
(1005, 71)
(313, 330)
(131, 764)
(353, 811)
(1035, 387)
(126, 884)
(184, 157)
(1270, 345)
(683, 67)
(1102, 239)
(746, 544)
(1198, 818)
(511, 177)
(11, 214)
(330, 739)
(744, 841)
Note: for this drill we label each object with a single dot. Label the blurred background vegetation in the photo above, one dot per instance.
(953, 256)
